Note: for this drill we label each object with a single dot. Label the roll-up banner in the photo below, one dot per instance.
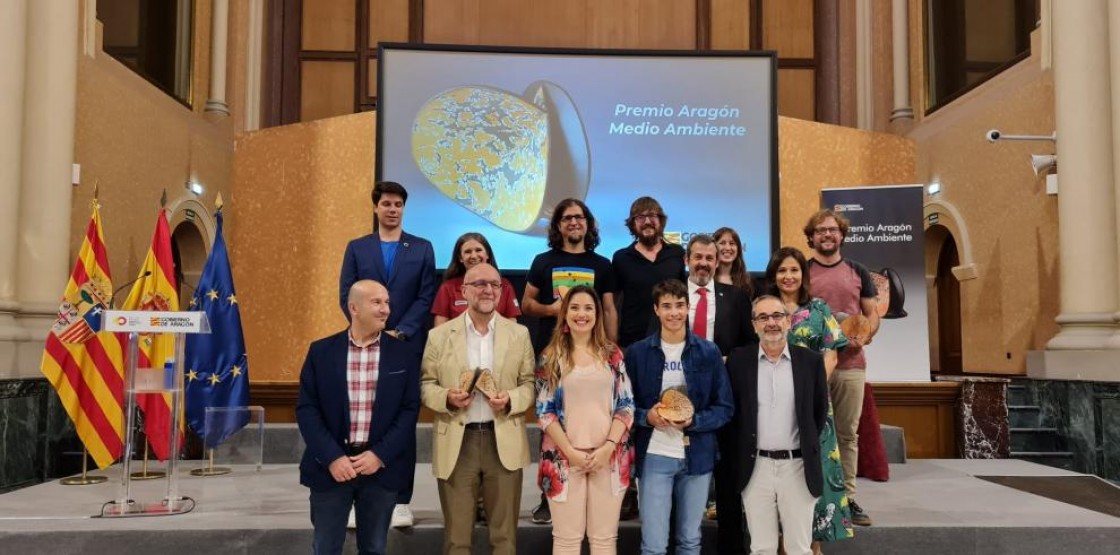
(886, 235)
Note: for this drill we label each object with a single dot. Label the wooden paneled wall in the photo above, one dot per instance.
(926, 413)
(336, 67)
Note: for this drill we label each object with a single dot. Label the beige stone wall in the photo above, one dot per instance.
(136, 141)
(1009, 308)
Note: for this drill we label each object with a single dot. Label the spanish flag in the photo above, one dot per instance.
(84, 364)
(156, 290)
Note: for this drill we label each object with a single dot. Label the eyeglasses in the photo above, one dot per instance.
(826, 230)
(481, 285)
(775, 316)
(573, 218)
(647, 217)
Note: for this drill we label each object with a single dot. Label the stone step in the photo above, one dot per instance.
(1056, 459)
(1035, 440)
(1024, 416)
(1019, 395)
(284, 445)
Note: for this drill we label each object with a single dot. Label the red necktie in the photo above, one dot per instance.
(700, 322)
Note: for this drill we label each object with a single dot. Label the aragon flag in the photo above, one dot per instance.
(84, 364)
(156, 290)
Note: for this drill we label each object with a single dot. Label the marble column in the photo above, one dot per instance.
(13, 28)
(900, 50)
(1086, 203)
(1086, 213)
(219, 33)
(50, 92)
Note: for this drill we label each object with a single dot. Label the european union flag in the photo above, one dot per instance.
(217, 367)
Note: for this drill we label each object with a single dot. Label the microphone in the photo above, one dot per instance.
(112, 299)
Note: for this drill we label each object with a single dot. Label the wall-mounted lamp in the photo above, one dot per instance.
(195, 187)
(1044, 163)
(933, 188)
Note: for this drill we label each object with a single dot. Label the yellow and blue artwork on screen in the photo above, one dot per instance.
(487, 150)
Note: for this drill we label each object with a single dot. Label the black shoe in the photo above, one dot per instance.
(541, 513)
(859, 518)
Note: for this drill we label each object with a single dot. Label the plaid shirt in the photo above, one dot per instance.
(362, 364)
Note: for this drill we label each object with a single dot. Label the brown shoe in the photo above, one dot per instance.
(859, 518)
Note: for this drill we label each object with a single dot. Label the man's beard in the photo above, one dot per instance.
(649, 240)
(828, 252)
(702, 279)
(573, 239)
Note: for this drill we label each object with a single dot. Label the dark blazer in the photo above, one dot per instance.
(733, 319)
(323, 411)
(810, 392)
(412, 286)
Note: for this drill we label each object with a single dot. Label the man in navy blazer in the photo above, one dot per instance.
(405, 265)
(359, 398)
(402, 262)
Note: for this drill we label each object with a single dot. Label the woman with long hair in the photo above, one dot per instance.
(585, 408)
(470, 250)
(731, 268)
(812, 326)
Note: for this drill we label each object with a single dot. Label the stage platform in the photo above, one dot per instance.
(929, 506)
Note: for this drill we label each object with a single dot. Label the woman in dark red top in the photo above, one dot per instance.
(470, 249)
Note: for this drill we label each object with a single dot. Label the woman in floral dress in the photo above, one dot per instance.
(585, 408)
(812, 326)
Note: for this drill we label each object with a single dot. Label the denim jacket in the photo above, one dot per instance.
(709, 389)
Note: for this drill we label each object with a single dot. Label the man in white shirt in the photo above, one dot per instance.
(781, 401)
(479, 444)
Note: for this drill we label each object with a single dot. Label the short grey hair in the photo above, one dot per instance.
(761, 298)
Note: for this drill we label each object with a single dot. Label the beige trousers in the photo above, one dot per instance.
(478, 468)
(846, 389)
(592, 509)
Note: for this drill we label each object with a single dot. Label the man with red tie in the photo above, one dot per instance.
(720, 313)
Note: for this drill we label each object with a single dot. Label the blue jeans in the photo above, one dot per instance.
(373, 509)
(664, 486)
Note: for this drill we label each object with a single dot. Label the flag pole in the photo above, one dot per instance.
(210, 469)
(144, 473)
(85, 479)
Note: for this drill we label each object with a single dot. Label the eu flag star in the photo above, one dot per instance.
(235, 371)
(212, 294)
(194, 302)
(192, 375)
(232, 299)
(214, 379)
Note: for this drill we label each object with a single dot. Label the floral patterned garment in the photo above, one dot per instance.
(814, 327)
(552, 474)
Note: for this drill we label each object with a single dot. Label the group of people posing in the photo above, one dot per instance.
(683, 382)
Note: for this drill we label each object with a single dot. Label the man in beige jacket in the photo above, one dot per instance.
(479, 441)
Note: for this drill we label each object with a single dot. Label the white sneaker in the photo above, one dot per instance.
(402, 517)
(351, 524)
